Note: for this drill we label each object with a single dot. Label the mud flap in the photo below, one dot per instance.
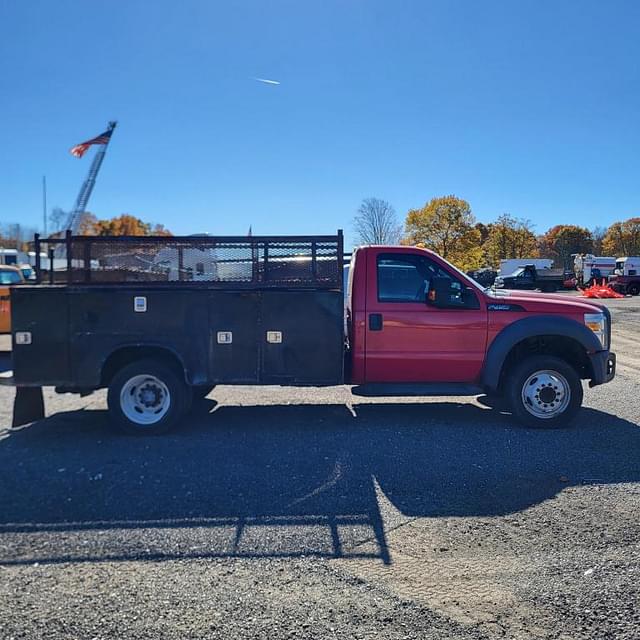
(28, 405)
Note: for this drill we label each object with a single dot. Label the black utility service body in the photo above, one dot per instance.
(249, 310)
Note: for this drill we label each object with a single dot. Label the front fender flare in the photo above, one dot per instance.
(545, 325)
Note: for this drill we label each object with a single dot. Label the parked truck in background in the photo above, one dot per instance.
(531, 278)
(589, 268)
(274, 315)
(626, 276)
(510, 265)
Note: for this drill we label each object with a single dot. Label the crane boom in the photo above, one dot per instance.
(73, 220)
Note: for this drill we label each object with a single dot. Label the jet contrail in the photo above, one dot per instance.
(266, 81)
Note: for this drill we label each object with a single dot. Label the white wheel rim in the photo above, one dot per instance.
(145, 400)
(546, 394)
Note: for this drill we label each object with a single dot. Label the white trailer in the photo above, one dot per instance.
(588, 267)
(12, 257)
(507, 267)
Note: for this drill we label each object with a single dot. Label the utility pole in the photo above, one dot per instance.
(44, 205)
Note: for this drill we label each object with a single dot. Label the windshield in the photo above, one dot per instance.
(10, 277)
(464, 277)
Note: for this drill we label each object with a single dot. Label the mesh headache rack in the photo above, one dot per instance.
(225, 261)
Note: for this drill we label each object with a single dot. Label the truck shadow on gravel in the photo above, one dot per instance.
(284, 481)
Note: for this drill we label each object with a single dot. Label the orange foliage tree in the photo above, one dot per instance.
(563, 240)
(123, 225)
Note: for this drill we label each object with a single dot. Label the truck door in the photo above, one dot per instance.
(409, 341)
(525, 279)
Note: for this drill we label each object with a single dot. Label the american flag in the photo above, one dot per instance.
(80, 149)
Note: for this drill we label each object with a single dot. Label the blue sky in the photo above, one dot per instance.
(526, 107)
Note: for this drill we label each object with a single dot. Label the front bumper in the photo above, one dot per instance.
(603, 364)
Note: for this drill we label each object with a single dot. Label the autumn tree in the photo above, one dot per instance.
(484, 230)
(123, 225)
(376, 222)
(87, 225)
(563, 240)
(623, 238)
(446, 225)
(598, 234)
(510, 237)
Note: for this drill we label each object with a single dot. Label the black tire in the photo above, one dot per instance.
(172, 405)
(534, 409)
(633, 289)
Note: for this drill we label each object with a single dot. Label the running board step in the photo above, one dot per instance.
(417, 389)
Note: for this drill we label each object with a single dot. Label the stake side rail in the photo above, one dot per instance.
(194, 261)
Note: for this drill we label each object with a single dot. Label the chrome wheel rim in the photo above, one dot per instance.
(546, 394)
(145, 400)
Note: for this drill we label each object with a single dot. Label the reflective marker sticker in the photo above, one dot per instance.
(225, 337)
(140, 304)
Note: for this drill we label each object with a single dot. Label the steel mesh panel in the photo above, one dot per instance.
(257, 261)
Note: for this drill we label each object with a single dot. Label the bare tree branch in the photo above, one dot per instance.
(376, 222)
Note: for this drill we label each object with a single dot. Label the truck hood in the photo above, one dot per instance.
(544, 303)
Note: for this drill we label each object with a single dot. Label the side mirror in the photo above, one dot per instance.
(445, 293)
(439, 293)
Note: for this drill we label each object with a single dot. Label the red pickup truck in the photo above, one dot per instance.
(270, 310)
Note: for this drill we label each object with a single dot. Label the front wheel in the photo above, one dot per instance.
(146, 398)
(544, 392)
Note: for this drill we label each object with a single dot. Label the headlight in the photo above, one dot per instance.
(598, 324)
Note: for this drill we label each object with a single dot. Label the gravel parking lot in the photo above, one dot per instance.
(289, 513)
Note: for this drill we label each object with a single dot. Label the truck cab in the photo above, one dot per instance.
(416, 322)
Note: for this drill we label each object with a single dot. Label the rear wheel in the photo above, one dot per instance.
(544, 392)
(146, 398)
(633, 289)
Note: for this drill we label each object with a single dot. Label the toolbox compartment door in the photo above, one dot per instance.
(44, 313)
(311, 327)
(234, 344)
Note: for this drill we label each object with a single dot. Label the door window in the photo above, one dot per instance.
(406, 278)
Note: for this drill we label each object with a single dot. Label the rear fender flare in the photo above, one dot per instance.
(546, 325)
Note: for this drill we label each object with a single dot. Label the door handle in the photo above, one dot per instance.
(375, 322)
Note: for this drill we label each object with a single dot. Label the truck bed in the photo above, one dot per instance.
(550, 274)
(232, 310)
